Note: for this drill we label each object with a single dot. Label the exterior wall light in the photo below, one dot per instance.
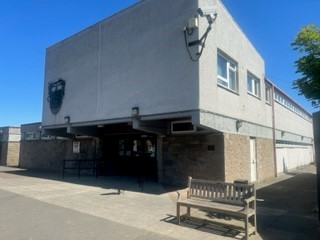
(66, 119)
(135, 111)
(238, 124)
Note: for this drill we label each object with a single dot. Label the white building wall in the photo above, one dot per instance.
(225, 106)
(134, 58)
(294, 135)
(138, 58)
(228, 38)
(293, 157)
(289, 122)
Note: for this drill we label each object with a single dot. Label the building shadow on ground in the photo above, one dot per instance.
(119, 184)
(287, 209)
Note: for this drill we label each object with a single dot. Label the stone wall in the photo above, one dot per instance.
(199, 156)
(237, 157)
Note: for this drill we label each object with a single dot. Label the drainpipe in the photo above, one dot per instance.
(274, 135)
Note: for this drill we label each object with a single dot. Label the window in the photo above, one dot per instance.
(227, 73)
(268, 93)
(30, 136)
(45, 136)
(253, 85)
(286, 102)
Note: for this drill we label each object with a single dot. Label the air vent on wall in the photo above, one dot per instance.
(183, 127)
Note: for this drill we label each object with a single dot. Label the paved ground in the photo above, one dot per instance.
(288, 207)
(42, 205)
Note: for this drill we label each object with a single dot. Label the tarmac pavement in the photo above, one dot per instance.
(287, 206)
(37, 205)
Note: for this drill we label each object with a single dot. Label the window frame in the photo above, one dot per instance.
(268, 93)
(255, 84)
(231, 66)
(28, 136)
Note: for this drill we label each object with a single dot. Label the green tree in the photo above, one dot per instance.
(307, 42)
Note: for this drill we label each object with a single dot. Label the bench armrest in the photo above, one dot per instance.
(179, 195)
(249, 200)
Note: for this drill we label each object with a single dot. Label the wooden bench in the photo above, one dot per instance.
(232, 199)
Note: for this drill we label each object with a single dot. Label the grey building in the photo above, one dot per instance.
(154, 101)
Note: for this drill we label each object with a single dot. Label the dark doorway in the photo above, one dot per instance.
(129, 155)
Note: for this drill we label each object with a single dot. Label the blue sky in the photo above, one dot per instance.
(272, 26)
(28, 27)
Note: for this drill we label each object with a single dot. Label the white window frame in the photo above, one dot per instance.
(30, 136)
(287, 103)
(230, 67)
(268, 93)
(255, 85)
(45, 137)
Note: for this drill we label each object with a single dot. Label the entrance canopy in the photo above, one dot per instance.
(156, 124)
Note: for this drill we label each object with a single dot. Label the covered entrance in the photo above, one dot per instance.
(132, 154)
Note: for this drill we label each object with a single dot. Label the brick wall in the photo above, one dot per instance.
(3, 153)
(10, 153)
(88, 149)
(265, 162)
(237, 157)
(238, 162)
(49, 154)
(42, 154)
(199, 156)
(13, 154)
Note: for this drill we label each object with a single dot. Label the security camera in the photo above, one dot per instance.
(210, 14)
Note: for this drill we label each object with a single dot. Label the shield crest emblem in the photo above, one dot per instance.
(56, 94)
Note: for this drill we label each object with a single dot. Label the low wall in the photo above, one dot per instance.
(49, 154)
(44, 155)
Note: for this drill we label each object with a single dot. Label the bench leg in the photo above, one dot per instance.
(178, 214)
(188, 211)
(246, 227)
(255, 224)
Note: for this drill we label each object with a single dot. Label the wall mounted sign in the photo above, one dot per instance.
(76, 147)
(55, 95)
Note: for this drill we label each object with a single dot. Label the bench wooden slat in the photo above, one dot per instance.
(237, 211)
